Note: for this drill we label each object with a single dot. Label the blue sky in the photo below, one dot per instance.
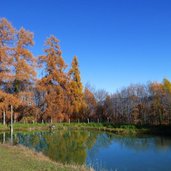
(118, 42)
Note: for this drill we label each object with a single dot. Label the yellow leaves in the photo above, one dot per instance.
(53, 45)
(24, 61)
(6, 31)
(16, 60)
(8, 99)
(167, 85)
(89, 97)
(6, 36)
(62, 92)
(24, 71)
(61, 64)
(25, 38)
(156, 88)
(11, 51)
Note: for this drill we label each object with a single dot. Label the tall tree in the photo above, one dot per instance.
(167, 99)
(6, 40)
(23, 61)
(53, 84)
(75, 88)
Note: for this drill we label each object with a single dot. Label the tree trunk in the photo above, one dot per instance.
(11, 118)
(4, 121)
(11, 129)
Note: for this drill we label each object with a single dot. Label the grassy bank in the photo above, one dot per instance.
(117, 129)
(25, 127)
(18, 158)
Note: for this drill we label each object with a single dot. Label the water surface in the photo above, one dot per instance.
(101, 150)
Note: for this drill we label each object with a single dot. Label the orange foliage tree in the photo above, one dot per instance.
(54, 82)
(75, 89)
(58, 95)
(8, 102)
(7, 33)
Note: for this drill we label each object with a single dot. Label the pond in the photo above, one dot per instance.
(100, 150)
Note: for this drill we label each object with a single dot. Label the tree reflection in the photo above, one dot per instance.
(69, 146)
(73, 146)
(64, 145)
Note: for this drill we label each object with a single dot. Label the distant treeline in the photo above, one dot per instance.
(137, 104)
(59, 94)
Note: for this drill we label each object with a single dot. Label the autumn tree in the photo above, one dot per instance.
(23, 69)
(89, 105)
(156, 107)
(53, 84)
(75, 89)
(8, 102)
(6, 40)
(23, 61)
(167, 99)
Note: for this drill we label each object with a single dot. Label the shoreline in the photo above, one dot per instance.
(116, 129)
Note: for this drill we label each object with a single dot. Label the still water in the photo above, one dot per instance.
(100, 150)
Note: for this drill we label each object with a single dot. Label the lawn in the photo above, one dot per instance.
(18, 158)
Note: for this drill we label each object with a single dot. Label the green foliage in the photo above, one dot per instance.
(128, 126)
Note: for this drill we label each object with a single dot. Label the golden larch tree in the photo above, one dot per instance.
(75, 89)
(54, 82)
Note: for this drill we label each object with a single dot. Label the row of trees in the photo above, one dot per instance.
(59, 94)
(137, 104)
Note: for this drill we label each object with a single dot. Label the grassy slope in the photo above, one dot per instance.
(13, 158)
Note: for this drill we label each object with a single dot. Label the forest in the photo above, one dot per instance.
(59, 95)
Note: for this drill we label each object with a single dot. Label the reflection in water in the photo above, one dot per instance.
(98, 149)
(12, 134)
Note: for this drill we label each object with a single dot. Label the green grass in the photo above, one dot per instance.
(14, 158)
(122, 129)
(25, 127)
(117, 129)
